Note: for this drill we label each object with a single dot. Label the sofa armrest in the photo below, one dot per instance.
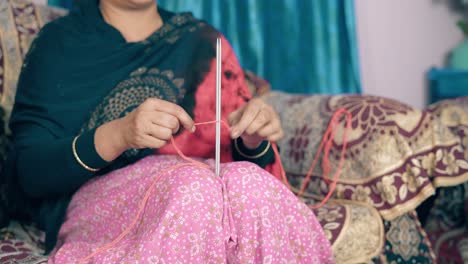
(396, 154)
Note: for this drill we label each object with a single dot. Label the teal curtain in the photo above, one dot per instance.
(61, 3)
(299, 46)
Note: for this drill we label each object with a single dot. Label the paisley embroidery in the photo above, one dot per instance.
(130, 93)
(142, 84)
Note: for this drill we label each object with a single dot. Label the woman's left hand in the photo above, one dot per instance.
(255, 122)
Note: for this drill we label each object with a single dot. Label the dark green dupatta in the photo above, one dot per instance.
(100, 77)
(80, 73)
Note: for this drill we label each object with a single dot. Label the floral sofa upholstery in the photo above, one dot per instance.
(396, 158)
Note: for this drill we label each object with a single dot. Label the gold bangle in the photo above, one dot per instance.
(252, 157)
(78, 158)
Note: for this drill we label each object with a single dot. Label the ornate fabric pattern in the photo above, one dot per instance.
(20, 22)
(396, 154)
(142, 84)
(339, 228)
(29, 239)
(454, 114)
(406, 242)
(448, 222)
(170, 34)
(404, 237)
(244, 215)
(365, 231)
(355, 229)
(21, 245)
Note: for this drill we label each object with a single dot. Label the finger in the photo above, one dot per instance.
(173, 109)
(235, 116)
(166, 120)
(275, 137)
(161, 133)
(268, 130)
(260, 120)
(248, 116)
(152, 142)
(233, 119)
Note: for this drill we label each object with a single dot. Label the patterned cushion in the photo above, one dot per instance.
(354, 229)
(19, 23)
(396, 154)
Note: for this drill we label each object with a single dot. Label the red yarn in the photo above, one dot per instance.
(326, 145)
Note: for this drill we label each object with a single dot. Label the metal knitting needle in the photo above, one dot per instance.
(218, 106)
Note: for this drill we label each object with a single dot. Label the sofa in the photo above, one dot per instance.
(397, 157)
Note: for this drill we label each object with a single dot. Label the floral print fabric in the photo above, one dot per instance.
(396, 155)
(193, 216)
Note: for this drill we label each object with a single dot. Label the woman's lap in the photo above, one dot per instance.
(246, 215)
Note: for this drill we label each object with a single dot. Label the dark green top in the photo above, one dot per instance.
(74, 63)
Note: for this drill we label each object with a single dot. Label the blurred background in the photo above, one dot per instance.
(412, 51)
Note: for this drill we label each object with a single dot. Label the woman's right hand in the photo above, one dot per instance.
(150, 125)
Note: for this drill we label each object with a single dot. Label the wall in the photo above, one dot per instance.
(399, 40)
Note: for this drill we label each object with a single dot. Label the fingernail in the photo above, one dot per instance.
(194, 128)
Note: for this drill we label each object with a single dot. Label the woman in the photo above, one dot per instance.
(101, 93)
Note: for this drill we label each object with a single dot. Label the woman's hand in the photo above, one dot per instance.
(150, 125)
(254, 122)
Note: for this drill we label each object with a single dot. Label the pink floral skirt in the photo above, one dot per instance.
(193, 216)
